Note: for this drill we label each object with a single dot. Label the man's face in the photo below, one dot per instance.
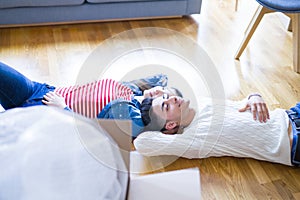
(158, 91)
(171, 108)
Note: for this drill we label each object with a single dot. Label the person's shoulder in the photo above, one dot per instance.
(118, 108)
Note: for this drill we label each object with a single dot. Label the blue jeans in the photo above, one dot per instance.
(16, 90)
(294, 115)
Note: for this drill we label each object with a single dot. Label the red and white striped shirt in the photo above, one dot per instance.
(91, 98)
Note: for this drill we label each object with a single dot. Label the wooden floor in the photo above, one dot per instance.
(55, 54)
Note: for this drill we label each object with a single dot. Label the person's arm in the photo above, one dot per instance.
(257, 107)
(53, 99)
(139, 85)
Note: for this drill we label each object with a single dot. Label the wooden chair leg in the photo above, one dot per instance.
(236, 5)
(290, 26)
(251, 28)
(296, 42)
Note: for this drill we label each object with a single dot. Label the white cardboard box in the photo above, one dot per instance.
(174, 185)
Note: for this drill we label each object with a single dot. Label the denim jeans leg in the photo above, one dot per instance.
(15, 88)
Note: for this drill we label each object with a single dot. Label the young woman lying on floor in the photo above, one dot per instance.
(104, 98)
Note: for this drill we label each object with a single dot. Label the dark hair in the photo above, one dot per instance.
(151, 121)
(177, 92)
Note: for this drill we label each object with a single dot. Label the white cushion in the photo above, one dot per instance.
(49, 154)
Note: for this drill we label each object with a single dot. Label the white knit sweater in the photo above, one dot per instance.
(219, 129)
(224, 131)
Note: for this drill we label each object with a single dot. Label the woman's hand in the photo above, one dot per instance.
(53, 99)
(257, 107)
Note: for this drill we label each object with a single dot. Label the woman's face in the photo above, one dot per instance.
(158, 91)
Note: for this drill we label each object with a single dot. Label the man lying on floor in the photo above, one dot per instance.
(221, 128)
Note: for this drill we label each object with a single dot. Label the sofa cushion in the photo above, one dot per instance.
(37, 3)
(110, 1)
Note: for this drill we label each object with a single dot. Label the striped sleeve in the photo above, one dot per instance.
(89, 99)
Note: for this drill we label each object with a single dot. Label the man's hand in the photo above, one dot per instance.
(53, 99)
(257, 107)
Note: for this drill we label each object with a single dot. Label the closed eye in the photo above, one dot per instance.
(165, 105)
(165, 96)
